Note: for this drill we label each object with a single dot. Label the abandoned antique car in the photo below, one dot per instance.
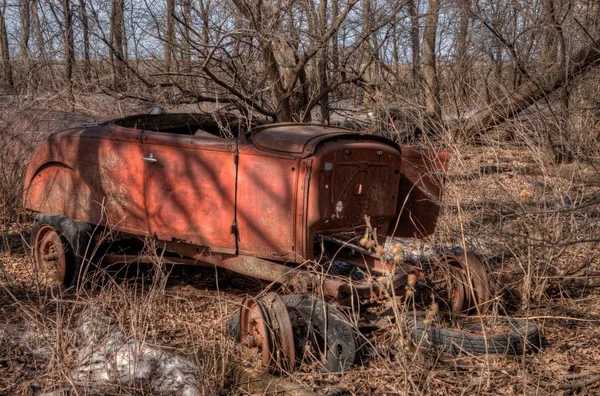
(275, 202)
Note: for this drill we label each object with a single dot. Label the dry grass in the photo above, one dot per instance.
(533, 220)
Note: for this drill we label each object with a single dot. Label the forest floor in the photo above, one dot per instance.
(534, 222)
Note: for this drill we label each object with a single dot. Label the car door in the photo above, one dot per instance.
(190, 189)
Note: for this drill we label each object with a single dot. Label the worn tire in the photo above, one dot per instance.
(525, 338)
(77, 240)
(326, 328)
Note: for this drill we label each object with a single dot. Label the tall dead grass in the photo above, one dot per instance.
(532, 218)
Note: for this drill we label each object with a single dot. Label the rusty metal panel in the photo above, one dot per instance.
(351, 179)
(301, 141)
(290, 138)
(266, 205)
(83, 175)
(420, 192)
(190, 189)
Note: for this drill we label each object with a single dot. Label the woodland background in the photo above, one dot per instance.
(510, 88)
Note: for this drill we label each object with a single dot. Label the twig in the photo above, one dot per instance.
(580, 384)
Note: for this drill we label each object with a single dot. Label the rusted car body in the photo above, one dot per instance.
(264, 193)
(259, 200)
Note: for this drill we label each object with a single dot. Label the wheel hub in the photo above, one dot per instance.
(466, 283)
(49, 254)
(266, 333)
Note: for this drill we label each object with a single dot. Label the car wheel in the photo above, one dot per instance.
(321, 332)
(467, 287)
(60, 246)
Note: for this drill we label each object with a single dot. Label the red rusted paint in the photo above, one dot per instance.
(266, 204)
(190, 189)
(266, 194)
(340, 169)
(93, 175)
(420, 192)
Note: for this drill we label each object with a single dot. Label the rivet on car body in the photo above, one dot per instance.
(379, 152)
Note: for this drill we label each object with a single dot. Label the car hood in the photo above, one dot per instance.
(301, 140)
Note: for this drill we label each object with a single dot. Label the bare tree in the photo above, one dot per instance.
(430, 77)
(170, 36)
(69, 50)
(7, 77)
(25, 13)
(85, 27)
(462, 56)
(186, 49)
(322, 62)
(415, 41)
(118, 43)
(530, 92)
(37, 29)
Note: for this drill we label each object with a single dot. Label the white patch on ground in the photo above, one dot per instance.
(107, 355)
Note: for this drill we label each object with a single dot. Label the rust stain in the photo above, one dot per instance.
(259, 198)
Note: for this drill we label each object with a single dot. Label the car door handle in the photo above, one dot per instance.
(150, 159)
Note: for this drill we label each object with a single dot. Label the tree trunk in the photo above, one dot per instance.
(170, 35)
(69, 51)
(25, 29)
(205, 6)
(396, 49)
(430, 78)
(25, 13)
(415, 44)
(335, 46)
(85, 27)
(322, 63)
(37, 29)
(367, 49)
(530, 92)
(117, 38)
(186, 50)
(7, 77)
(461, 50)
(260, 18)
(551, 34)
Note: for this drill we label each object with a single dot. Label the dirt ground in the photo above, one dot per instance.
(534, 223)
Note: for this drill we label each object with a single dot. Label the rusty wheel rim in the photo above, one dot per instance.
(255, 333)
(456, 290)
(283, 335)
(49, 254)
(467, 296)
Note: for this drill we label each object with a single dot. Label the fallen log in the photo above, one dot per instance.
(533, 90)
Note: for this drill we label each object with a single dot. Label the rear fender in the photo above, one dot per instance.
(54, 187)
